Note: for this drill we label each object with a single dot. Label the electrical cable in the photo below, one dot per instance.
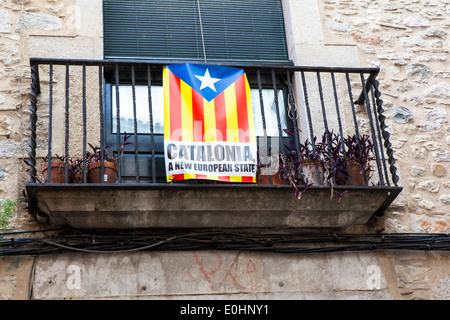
(106, 251)
(271, 242)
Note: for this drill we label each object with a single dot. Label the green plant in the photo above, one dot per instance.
(7, 211)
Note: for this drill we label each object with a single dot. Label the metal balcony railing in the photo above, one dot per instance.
(75, 102)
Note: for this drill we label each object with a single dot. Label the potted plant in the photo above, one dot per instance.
(110, 164)
(57, 168)
(289, 171)
(275, 177)
(77, 170)
(301, 168)
(348, 159)
(359, 152)
(311, 159)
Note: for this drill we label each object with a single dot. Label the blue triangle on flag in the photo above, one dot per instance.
(208, 80)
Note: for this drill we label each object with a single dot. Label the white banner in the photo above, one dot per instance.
(214, 158)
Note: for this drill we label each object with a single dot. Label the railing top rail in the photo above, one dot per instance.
(110, 62)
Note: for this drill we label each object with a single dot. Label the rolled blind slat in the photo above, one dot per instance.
(251, 30)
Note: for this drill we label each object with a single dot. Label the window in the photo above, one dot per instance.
(228, 32)
(142, 107)
(126, 124)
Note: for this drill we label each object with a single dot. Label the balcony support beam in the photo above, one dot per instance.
(137, 206)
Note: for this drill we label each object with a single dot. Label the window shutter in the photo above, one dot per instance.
(250, 31)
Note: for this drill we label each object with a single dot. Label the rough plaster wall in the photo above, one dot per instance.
(408, 40)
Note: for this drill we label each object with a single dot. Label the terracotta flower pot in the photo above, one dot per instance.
(57, 174)
(109, 174)
(276, 180)
(310, 172)
(355, 176)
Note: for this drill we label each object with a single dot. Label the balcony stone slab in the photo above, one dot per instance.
(137, 206)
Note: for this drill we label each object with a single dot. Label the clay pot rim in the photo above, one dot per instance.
(55, 164)
(107, 164)
(312, 162)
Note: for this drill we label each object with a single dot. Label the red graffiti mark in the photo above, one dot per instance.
(187, 277)
(250, 267)
(206, 274)
(228, 272)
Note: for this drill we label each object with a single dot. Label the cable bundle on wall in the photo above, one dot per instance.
(75, 241)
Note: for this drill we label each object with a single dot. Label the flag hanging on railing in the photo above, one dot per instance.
(209, 130)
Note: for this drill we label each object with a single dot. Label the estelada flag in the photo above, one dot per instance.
(209, 130)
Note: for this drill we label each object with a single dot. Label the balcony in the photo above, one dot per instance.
(78, 103)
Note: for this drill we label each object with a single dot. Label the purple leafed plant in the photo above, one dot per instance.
(342, 153)
(98, 153)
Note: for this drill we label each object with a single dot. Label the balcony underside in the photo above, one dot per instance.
(136, 206)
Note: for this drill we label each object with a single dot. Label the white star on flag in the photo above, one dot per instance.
(207, 81)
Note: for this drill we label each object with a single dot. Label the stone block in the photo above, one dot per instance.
(402, 115)
(434, 34)
(62, 47)
(417, 171)
(38, 21)
(429, 185)
(413, 277)
(440, 90)
(416, 21)
(438, 170)
(436, 115)
(441, 156)
(209, 274)
(5, 24)
(9, 54)
(445, 198)
(418, 71)
(5, 125)
(427, 205)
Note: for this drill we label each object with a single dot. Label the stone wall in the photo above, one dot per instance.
(222, 275)
(408, 40)
(38, 28)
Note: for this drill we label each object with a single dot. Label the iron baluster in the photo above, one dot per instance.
(150, 113)
(310, 125)
(386, 134)
(50, 122)
(116, 75)
(295, 125)
(102, 128)
(67, 136)
(136, 154)
(355, 121)
(324, 114)
(378, 140)
(35, 90)
(84, 126)
(263, 119)
(372, 131)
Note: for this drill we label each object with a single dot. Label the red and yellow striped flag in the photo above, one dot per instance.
(209, 130)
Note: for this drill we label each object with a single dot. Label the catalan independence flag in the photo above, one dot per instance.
(209, 130)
